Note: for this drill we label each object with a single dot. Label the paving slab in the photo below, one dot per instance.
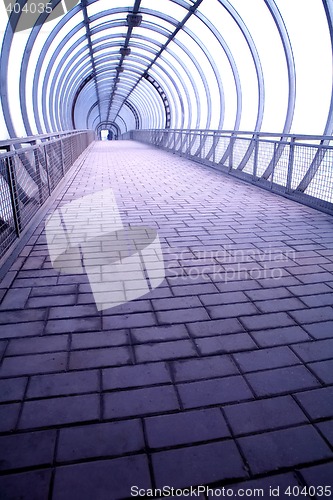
(220, 376)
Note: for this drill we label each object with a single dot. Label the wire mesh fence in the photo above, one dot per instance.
(298, 166)
(29, 173)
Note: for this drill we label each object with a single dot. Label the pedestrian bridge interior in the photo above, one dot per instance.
(166, 249)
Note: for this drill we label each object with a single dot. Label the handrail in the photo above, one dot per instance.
(37, 138)
(298, 166)
(29, 175)
(243, 132)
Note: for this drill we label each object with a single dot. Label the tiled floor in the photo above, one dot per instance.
(221, 376)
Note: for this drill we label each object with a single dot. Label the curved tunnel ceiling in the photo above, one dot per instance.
(126, 64)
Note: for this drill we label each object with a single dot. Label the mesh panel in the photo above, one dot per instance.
(222, 144)
(54, 163)
(183, 145)
(178, 141)
(7, 222)
(241, 152)
(25, 175)
(302, 171)
(207, 146)
(67, 153)
(303, 157)
(41, 174)
(168, 144)
(321, 185)
(27, 178)
(280, 173)
(195, 144)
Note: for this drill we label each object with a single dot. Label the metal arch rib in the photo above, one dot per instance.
(91, 54)
(125, 47)
(236, 78)
(316, 162)
(70, 65)
(67, 96)
(53, 34)
(132, 71)
(25, 61)
(233, 67)
(260, 77)
(255, 56)
(144, 99)
(135, 113)
(81, 87)
(211, 62)
(42, 55)
(4, 58)
(163, 96)
(78, 26)
(275, 13)
(203, 79)
(196, 64)
(172, 36)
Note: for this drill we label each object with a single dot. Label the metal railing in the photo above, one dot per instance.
(30, 170)
(297, 166)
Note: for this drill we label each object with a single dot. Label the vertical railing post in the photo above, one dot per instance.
(38, 177)
(62, 158)
(71, 150)
(214, 146)
(290, 165)
(14, 196)
(274, 164)
(47, 170)
(255, 159)
(231, 152)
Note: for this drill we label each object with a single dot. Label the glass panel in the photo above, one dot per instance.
(120, 32)
(232, 35)
(309, 35)
(196, 73)
(147, 18)
(268, 43)
(168, 7)
(101, 5)
(150, 34)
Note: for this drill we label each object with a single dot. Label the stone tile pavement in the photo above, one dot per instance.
(222, 376)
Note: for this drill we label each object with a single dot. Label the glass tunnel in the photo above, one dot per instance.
(243, 86)
(166, 249)
(120, 65)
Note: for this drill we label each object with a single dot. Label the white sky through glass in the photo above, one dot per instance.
(178, 76)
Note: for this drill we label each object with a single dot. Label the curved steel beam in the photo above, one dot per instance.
(291, 81)
(172, 36)
(77, 93)
(163, 96)
(57, 97)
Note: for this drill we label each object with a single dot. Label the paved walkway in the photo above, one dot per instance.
(223, 375)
